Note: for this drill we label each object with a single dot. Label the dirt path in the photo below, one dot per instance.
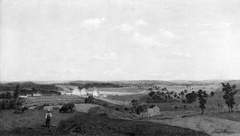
(212, 126)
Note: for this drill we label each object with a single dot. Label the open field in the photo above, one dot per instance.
(211, 125)
(53, 100)
(29, 123)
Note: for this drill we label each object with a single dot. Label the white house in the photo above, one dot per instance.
(153, 110)
(76, 91)
(23, 96)
(95, 93)
(84, 92)
(68, 92)
(37, 94)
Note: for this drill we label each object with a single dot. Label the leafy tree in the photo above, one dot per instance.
(185, 91)
(182, 93)
(212, 93)
(191, 97)
(8, 95)
(16, 92)
(151, 94)
(202, 97)
(135, 103)
(175, 95)
(230, 92)
(89, 99)
(139, 109)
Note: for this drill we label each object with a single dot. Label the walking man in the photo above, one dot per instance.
(48, 117)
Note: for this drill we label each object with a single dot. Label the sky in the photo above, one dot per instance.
(45, 40)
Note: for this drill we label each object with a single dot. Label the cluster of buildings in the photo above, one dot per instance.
(83, 92)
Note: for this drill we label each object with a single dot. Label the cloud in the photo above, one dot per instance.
(92, 22)
(141, 22)
(126, 27)
(145, 41)
(105, 56)
(71, 70)
(177, 55)
(166, 34)
(117, 71)
(216, 25)
(163, 38)
(180, 55)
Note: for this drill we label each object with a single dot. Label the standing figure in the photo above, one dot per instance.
(48, 117)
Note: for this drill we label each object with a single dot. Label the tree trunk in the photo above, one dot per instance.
(202, 110)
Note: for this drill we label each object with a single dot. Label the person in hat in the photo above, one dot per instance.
(48, 117)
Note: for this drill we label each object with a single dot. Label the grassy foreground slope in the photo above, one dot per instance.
(89, 124)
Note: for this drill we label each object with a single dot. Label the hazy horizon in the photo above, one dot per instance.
(106, 40)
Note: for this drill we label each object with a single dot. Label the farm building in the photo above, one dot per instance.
(84, 92)
(68, 92)
(95, 93)
(76, 91)
(153, 110)
(23, 96)
(37, 94)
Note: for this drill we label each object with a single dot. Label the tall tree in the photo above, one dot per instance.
(212, 93)
(202, 97)
(229, 93)
(135, 103)
(16, 91)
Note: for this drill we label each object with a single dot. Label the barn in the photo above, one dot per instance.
(95, 93)
(84, 92)
(76, 91)
(153, 110)
(37, 94)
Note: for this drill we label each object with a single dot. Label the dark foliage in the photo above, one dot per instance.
(89, 99)
(212, 93)
(229, 93)
(16, 92)
(191, 97)
(202, 97)
(99, 85)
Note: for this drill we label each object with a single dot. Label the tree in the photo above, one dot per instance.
(8, 95)
(135, 103)
(182, 93)
(139, 109)
(151, 94)
(191, 97)
(212, 93)
(230, 92)
(202, 97)
(16, 92)
(89, 99)
(185, 91)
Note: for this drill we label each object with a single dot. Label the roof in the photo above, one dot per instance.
(151, 106)
(68, 91)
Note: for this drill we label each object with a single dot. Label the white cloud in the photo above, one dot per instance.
(126, 27)
(177, 55)
(105, 56)
(117, 71)
(166, 33)
(92, 22)
(181, 55)
(145, 41)
(141, 22)
(217, 25)
(72, 70)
